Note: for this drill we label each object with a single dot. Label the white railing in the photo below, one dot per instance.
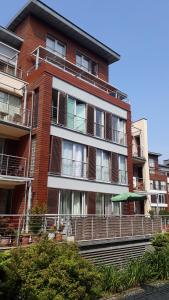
(12, 165)
(45, 54)
(14, 114)
(14, 229)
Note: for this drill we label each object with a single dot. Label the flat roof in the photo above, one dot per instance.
(154, 153)
(10, 38)
(40, 10)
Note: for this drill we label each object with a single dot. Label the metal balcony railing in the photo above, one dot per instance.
(15, 230)
(138, 184)
(74, 168)
(119, 137)
(53, 57)
(14, 114)
(12, 165)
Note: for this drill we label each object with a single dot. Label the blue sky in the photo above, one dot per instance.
(139, 31)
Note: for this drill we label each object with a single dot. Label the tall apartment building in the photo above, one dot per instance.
(149, 176)
(76, 145)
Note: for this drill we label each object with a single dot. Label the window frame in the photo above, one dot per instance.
(91, 62)
(101, 125)
(101, 166)
(56, 42)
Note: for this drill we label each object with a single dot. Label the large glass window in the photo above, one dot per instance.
(123, 169)
(72, 203)
(10, 106)
(76, 113)
(56, 46)
(99, 123)
(73, 159)
(103, 204)
(119, 130)
(102, 165)
(86, 63)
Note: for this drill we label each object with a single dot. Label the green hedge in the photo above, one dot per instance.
(51, 271)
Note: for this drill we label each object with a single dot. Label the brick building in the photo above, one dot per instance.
(66, 140)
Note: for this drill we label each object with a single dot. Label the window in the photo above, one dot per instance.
(102, 165)
(151, 165)
(123, 169)
(86, 64)
(73, 159)
(4, 67)
(103, 204)
(119, 130)
(161, 198)
(33, 153)
(163, 186)
(10, 106)
(116, 208)
(76, 114)
(72, 203)
(99, 123)
(56, 46)
(156, 184)
(151, 185)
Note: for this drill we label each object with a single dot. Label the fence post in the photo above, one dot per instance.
(107, 228)
(92, 227)
(120, 226)
(18, 231)
(132, 231)
(142, 224)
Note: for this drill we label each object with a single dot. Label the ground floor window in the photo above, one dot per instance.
(116, 208)
(72, 203)
(103, 204)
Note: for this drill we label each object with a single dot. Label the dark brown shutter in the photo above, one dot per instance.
(108, 133)
(114, 167)
(91, 203)
(62, 108)
(52, 206)
(55, 156)
(91, 163)
(90, 119)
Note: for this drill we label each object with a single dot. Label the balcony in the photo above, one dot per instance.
(54, 58)
(14, 120)
(138, 184)
(138, 154)
(12, 170)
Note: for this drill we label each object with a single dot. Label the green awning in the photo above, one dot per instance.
(128, 197)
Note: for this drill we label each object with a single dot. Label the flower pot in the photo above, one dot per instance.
(5, 241)
(58, 237)
(25, 239)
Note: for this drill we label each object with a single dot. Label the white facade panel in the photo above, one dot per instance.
(88, 98)
(87, 140)
(86, 186)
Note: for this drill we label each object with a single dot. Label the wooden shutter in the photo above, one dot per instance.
(91, 202)
(114, 167)
(91, 163)
(90, 119)
(55, 156)
(52, 204)
(62, 108)
(108, 133)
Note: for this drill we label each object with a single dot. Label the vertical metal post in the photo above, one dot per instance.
(16, 63)
(37, 59)
(7, 165)
(92, 227)
(107, 227)
(132, 229)
(120, 226)
(142, 224)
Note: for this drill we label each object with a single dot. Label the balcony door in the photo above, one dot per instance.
(5, 201)
(73, 159)
(76, 114)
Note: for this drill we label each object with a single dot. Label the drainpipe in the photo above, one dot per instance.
(24, 105)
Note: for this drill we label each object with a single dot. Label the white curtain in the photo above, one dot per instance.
(67, 156)
(122, 169)
(105, 169)
(98, 164)
(78, 160)
(70, 112)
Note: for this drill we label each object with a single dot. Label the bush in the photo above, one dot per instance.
(48, 271)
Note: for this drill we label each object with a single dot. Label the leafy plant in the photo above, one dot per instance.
(36, 220)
